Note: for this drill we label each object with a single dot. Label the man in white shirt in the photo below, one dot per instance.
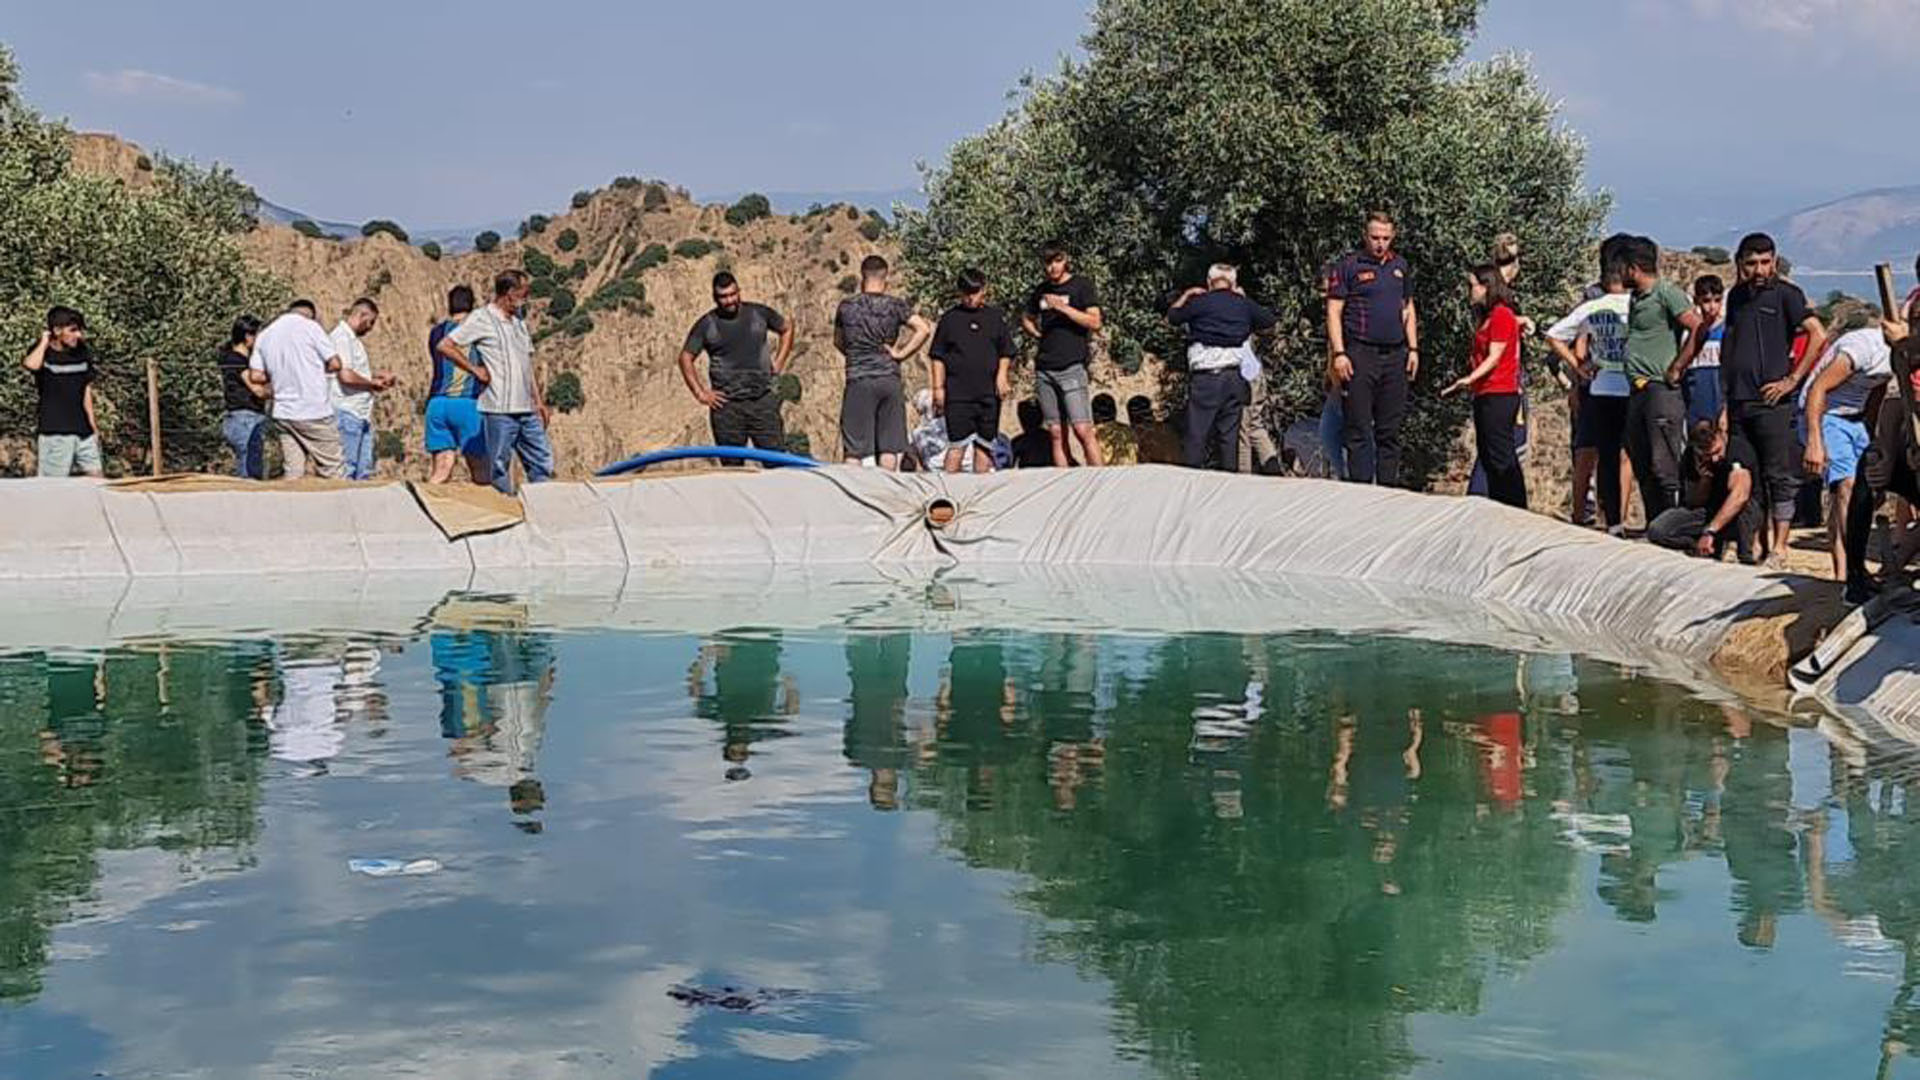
(296, 356)
(353, 405)
(512, 409)
(1833, 422)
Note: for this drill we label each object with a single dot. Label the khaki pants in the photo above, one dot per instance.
(318, 440)
(1256, 442)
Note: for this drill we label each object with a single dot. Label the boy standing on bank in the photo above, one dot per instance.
(63, 373)
(972, 352)
(1064, 314)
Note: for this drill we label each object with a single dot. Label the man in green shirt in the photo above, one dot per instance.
(1660, 316)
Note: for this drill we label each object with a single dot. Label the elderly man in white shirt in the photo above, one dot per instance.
(353, 404)
(295, 356)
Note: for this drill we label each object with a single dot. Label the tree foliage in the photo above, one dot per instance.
(565, 393)
(382, 225)
(307, 228)
(486, 242)
(1260, 134)
(750, 208)
(567, 240)
(156, 272)
(581, 199)
(431, 250)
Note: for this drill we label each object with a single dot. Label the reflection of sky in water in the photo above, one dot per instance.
(979, 853)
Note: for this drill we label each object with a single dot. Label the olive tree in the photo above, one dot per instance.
(156, 272)
(1197, 131)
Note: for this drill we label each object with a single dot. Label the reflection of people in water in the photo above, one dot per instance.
(303, 727)
(749, 697)
(875, 737)
(975, 711)
(496, 681)
(1386, 772)
(1063, 703)
(71, 742)
(1762, 854)
(1229, 703)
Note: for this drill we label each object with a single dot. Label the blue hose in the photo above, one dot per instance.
(772, 459)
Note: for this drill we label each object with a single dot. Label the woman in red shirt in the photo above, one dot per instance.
(1495, 382)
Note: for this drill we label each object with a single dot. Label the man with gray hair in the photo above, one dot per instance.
(1219, 320)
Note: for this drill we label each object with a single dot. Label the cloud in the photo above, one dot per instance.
(164, 89)
(1889, 22)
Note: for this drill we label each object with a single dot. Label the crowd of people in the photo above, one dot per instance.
(1715, 405)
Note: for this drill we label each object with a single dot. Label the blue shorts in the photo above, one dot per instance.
(1846, 440)
(454, 424)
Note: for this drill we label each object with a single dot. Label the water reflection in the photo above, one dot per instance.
(1272, 854)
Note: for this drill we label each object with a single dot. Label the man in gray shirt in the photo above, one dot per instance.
(734, 335)
(873, 411)
(513, 412)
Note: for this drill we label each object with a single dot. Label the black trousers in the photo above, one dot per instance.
(1769, 430)
(1494, 418)
(1607, 426)
(1216, 402)
(1885, 469)
(1680, 529)
(1656, 439)
(1376, 404)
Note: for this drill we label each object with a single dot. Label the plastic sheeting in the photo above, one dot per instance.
(1373, 552)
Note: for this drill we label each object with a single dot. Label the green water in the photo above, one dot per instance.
(972, 853)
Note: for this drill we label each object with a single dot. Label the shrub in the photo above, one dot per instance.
(561, 303)
(143, 163)
(786, 388)
(541, 288)
(537, 263)
(750, 208)
(581, 199)
(799, 444)
(578, 324)
(431, 250)
(536, 224)
(849, 284)
(873, 228)
(307, 229)
(486, 241)
(382, 225)
(376, 282)
(1713, 254)
(853, 213)
(619, 293)
(815, 210)
(565, 393)
(655, 198)
(567, 240)
(626, 183)
(654, 255)
(390, 446)
(578, 270)
(695, 248)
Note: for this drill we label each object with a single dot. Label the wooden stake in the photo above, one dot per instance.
(153, 412)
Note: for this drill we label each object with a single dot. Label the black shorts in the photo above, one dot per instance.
(978, 420)
(873, 418)
(755, 422)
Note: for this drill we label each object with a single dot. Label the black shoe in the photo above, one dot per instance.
(1861, 591)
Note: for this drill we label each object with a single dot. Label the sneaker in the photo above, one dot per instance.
(1618, 532)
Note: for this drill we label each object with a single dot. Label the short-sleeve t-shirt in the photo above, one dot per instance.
(1375, 292)
(506, 348)
(353, 357)
(739, 363)
(62, 381)
(1602, 320)
(1654, 330)
(1500, 327)
(449, 381)
(1738, 458)
(293, 351)
(969, 343)
(868, 324)
(233, 382)
(1762, 321)
(1872, 363)
(1063, 342)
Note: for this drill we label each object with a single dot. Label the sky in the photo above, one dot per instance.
(1701, 115)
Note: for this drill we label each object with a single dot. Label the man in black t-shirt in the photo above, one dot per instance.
(1063, 313)
(744, 408)
(1759, 377)
(972, 351)
(1718, 476)
(63, 373)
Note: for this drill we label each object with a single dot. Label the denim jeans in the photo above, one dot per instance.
(523, 434)
(356, 444)
(246, 432)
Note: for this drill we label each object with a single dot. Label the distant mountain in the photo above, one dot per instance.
(1850, 234)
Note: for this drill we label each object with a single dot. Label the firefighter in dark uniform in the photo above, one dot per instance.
(1374, 335)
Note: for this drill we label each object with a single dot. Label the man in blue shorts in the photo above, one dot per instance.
(1834, 422)
(453, 401)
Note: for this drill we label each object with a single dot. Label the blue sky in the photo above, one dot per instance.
(1701, 114)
